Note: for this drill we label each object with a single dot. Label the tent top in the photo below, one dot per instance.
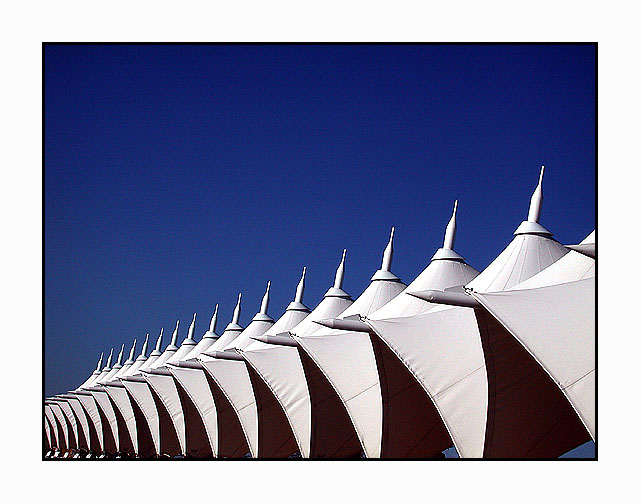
(447, 269)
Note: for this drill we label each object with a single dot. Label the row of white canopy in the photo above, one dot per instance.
(498, 364)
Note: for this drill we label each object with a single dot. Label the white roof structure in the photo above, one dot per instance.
(66, 440)
(161, 427)
(102, 421)
(446, 349)
(164, 384)
(80, 441)
(86, 427)
(409, 425)
(346, 360)
(552, 315)
(114, 418)
(201, 389)
(139, 434)
(49, 444)
(281, 368)
(205, 342)
(230, 374)
(56, 431)
(273, 435)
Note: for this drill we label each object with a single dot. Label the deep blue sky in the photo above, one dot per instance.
(177, 176)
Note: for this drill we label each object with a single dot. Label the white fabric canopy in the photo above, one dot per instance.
(165, 386)
(93, 415)
(195, 381)
(552, 315)
(80, 441)
(269, 423)
(443, 347)
(64, 425)
(48, 434)
(154, 409)
(233, 378)
(347, 360)
(282, 370)
(54, 426)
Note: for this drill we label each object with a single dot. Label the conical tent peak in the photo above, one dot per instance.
(143, 352)
(122, 349)
(192, 326)
(174, 336)
(214, 319)
(100, 362)
(132, 351)
(340, 272)
(536, 201)
(300, 288)
(159, 340)
(388, 253)
(236, 315)
(531, 225)
(111, 353)
(265, 302)
(450, 230)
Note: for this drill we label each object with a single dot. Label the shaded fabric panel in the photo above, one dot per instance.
(196, 436)
(231, 438)
(169, 444)
(73, 441)
(94, 442)
(333, 435)
(412, 428)
(107, 436)
(61, 436)
(275, 436)
(528, 415)
(83, 443)
(67, 432)
(48, 439)
(124, 438)
(146, 447)
(73, 424)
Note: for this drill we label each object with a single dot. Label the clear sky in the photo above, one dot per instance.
(178, 176)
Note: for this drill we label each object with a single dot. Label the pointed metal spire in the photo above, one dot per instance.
(300, 289)
(388, 253)
(297, 303)
(159, 340)
(265, 302)
(340, 272)
(531, 225)
(174, 335)
(535, 202)
(143, 352)
(236, 316)
(111, 353)
(214, 319)
(447, 250)
(190, 332)
(384, 273)
(450, 230)
(130, 360)
(337, 289)
(122, 349)
(99, 362)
